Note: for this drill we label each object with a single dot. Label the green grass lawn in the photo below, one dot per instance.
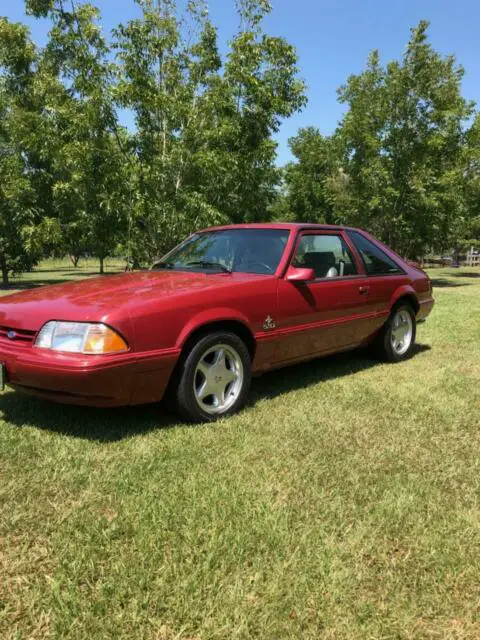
(342, 503)
(54, 271)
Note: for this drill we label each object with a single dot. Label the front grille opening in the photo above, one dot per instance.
(20, 335)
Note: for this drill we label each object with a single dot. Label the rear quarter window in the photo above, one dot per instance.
(375, 260)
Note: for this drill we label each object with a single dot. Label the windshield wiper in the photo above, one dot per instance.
(209, 265)
(163, 265)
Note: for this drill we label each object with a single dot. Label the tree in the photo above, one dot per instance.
(203, 149)
(91, 190)
(471, 231)
(403, 137)
(164, 79)
(259, 87)
(16, 206)
(399, 162)
(26, 224)
(307, 180)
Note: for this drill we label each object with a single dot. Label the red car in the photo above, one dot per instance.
(226, 303)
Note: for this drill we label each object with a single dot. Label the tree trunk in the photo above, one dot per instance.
(4, 268)
(102, 266)
(75, 260)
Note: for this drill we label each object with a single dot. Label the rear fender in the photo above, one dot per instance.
(403, 291)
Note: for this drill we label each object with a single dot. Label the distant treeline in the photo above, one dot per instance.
(404, 161)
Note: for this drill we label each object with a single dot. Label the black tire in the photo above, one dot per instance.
(383, 347)
(182, 388)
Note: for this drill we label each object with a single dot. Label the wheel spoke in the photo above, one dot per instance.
(400, 332)
(204, 391)
(228, 391)
(227, 370)
(204, 368)
(221, 396)
(229, 376)
(219, 358)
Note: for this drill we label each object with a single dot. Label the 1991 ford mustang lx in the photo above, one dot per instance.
(227, 303)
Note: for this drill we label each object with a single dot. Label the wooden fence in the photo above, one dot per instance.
(473, 259)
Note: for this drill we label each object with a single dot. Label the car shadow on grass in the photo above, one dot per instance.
(101, 425)
(440, 283)
(465, 274)
(301, 376)
(112, 425)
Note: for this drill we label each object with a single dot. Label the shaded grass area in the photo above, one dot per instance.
(342, 503)
(56, 271)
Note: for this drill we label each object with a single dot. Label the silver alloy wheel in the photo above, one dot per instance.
(402, 332)
(218, 379)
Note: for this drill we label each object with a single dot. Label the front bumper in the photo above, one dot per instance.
(100, 381)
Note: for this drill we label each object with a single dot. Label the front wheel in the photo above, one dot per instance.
(214, 379)
(397, 339)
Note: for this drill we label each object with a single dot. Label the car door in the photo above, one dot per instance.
(330, 313)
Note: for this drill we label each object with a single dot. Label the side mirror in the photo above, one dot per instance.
(299, 275)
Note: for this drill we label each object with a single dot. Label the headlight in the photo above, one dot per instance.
(80, 337)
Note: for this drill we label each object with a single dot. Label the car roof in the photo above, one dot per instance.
(279, 225)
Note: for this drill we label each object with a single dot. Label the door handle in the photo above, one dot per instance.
(364, 291)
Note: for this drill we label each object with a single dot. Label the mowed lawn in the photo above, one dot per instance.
(342, 503)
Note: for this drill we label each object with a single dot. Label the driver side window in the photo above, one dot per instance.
(327, 254)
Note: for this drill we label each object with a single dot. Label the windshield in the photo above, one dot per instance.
(231, 250)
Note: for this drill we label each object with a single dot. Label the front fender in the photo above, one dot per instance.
(209, 316)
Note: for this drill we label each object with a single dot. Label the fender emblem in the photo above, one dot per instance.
(269, 323)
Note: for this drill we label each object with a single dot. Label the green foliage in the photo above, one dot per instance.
(39, 8)
(471, 234)
(203, 151)
(16, 213)
(91, 190)
(163, 80)
(308, 177)
(24, 212)
(403, 137)
(402, 163)
(398, 160)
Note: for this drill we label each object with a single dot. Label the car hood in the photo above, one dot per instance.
(104, 298)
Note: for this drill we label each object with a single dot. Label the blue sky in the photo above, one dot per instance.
(333, 39)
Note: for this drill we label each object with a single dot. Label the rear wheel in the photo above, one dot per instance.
(214, 379)
(397, 338)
